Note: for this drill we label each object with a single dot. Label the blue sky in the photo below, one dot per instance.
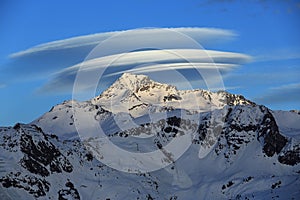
(268, 31)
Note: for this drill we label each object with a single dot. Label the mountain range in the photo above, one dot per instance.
(141, 139)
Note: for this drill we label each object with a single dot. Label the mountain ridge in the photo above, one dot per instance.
(141, 91)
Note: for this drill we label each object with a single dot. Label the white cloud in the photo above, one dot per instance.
(175, 66)
(163, 56)
(152, 36)
(2, 85)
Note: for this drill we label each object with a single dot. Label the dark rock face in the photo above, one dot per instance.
(174, 121)
(36, 186)
(236, 133)
(231, 99)
(290, 157)
(272, 139)
(34, 166)
(40, 157)
(39, 153)
(10, 142)
(227, 129)
(172, 97)
(69, 192)
(139, 105)
(232, 132)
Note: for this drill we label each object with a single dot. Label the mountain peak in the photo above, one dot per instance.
(133, 76)
(132, 81)
(137, 94)
(135, 83)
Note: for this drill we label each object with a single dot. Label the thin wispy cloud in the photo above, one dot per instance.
(287, 87)
(289, 6)
(267, 75)
(281, 94)
(276, 55)
(2, 85)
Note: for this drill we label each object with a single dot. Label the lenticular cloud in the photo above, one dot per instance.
(145, 62)
(110, 54)
(152, 36)
(50, 57)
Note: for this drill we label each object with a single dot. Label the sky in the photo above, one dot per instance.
(254, 45)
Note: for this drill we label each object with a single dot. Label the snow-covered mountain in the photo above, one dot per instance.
(137, 94)
(207, 146)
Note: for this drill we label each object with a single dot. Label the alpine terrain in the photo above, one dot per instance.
(141, 139)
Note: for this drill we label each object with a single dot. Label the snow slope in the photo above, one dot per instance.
(288, 122)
